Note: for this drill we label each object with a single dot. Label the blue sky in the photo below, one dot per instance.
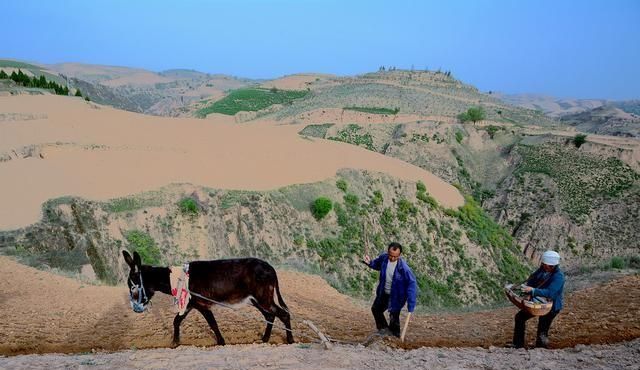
(583, 49)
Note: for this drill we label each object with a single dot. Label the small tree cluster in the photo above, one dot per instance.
(41, 82)
(473, 114)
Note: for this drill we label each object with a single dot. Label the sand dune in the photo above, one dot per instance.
(99, 153)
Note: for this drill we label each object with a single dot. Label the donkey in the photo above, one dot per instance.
(229, 282)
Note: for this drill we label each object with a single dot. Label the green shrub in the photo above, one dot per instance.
(342, 185)
(420, 187)
(321, 207)
(377, 199)
(144, 244)
(491, 130)
(459, 136)
(579, 139)
(188, 206)
(617, 263)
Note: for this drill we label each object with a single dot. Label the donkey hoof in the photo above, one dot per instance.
(175, 344)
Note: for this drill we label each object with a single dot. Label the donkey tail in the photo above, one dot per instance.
(280, 300)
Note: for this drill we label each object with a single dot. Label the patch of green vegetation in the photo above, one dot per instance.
(351, 134)
(623, 262)
(251, 100)
(582, 178)
(329, 249)
(405, 209)
(484, 231)
(459, 136)
(423, 195)
(65, 260)
(234, 197)
(614, 263)
(374, 110)
(342, 185)
(579, 139)
(419, 137)
(492, 130)
(435, 293)
(144, 244)
(316, 130)
(132, 203)
(321, 207)
(188, 206)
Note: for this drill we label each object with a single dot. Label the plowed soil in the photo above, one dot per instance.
(43, 312)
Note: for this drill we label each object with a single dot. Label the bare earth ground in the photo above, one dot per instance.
(44, 313)
(300, 357)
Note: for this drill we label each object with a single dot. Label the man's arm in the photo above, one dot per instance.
(375, 264)
(553, 290)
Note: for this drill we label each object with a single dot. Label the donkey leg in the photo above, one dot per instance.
(285, 317)
(269, 317)
(208, 315)
(176, 327)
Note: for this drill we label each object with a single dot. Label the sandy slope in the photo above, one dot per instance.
(45, 313)
(99, 152)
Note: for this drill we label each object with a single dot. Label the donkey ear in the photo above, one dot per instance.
(136, 259)
(127, 258)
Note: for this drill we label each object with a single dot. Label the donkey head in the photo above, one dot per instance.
(140, 292)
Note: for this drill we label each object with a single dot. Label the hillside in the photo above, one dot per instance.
(52, 150)
(605, 120)
(517, 166)
(164, 93)
(552, 106)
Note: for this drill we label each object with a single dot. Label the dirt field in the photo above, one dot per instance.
(304, 357)
(44, 313)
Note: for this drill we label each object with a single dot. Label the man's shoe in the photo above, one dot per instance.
(542, 341)
(384, 332)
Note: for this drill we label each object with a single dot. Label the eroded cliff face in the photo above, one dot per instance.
(545, 191)
(460, 256)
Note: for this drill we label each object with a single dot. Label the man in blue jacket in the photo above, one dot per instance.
(547, 281)
(397, 286)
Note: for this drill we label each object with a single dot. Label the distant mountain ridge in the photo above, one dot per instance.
(557, 107)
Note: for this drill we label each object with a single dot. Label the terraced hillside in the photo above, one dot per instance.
(460, 257)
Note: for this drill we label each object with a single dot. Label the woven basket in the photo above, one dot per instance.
(535, 308)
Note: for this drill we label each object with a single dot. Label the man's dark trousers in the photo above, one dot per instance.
(544, 324)
(380, 305)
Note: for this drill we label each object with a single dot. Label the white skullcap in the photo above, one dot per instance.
(550, 258)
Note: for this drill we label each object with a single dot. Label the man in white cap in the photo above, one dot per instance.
(547, 281)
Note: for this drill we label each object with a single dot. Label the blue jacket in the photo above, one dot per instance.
(403, 286)
(552, 286)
